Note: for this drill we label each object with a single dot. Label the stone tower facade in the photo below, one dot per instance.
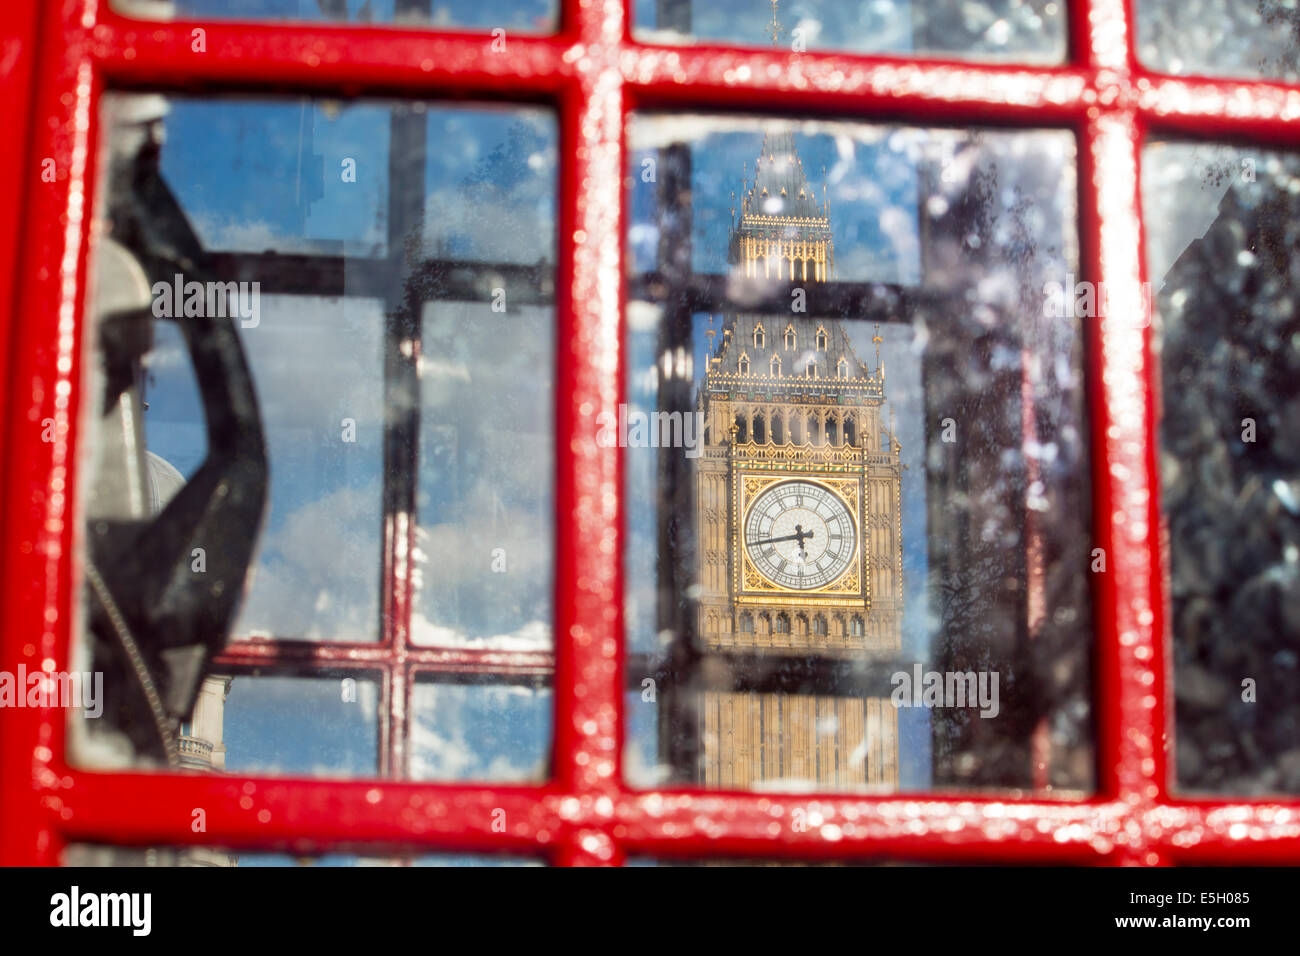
(798, 517)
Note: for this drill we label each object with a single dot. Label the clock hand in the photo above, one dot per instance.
(799, 536)
(788, 537)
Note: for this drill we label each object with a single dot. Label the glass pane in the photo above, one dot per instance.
(317, 726)
(523, 16)
(485, 478)
(492, 193)
(858, 501)
(326, 726)
(1221, 37)
(353, 323)
(314, 183)
(317, 568)
(481, 732)
(1030, 31)
(1221, 239)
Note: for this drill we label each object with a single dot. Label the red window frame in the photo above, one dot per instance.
(63, 56)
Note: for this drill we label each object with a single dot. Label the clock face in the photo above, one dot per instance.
(800, 535)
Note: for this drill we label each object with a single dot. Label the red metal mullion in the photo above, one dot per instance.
(399, 546)
(1108, 677)
(588, 572)
(303, 815)
(825, 827)
(24, 834)
(838, 84)
(1222, 109)
(18, 36)
(143, 809)
(586, 816)
(396, 584)
(320, 815)
(346, 60)
(1210, 832)
(44, 386)
(306, 655)
(375, 60)
(1129, 696)
(337, 814)
(1105, 36)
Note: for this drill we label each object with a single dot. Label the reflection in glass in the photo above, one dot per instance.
(885, 483)
(1030, 31)
(264, 729)
(480, 732)
(1221, 235)
(485, 502)
(386, 270)
(316, 574)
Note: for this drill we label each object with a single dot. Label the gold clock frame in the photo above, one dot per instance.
(751, 586)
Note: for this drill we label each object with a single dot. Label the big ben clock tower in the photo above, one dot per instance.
(797, 511)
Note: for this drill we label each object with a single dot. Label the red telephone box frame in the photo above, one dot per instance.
(62, 56)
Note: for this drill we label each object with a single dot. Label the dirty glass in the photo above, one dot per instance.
(483, 555)
(1221, 229)
(1028, 31)
(383, 273)
(523, 16)
(1259, 39)
(481, 732)
(261, 730)
(858, 537)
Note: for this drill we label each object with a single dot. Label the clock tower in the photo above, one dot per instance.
(798, 521)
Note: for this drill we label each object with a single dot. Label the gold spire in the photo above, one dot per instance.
(877, 339)
(774, 28)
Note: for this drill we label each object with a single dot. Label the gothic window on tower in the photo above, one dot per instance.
(905, 532)
(743, 365)
(394, 302)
